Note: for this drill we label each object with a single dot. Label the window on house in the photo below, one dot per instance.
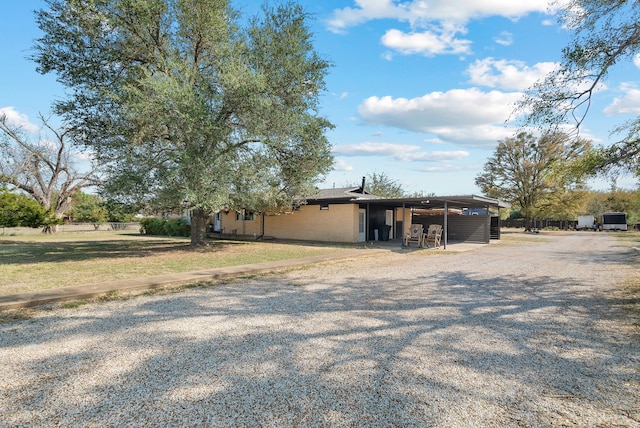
(324, 206)
(245, 215)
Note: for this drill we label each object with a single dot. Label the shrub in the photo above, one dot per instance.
(177, 227)
(154, 226)
(17, 209)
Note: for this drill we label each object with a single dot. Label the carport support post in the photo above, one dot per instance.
(488, 235)
(367, 221)
(403, 217)
(446, 223)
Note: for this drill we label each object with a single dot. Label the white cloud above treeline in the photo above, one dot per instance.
(628, 103)
(467, 116)
(510, 75)
(18, 119)
(477, 116)
(399, 152)
(427, 43)
(342, 165)
(421, 12)
(436, 25)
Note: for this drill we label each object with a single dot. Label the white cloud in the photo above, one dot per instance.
(400, 152)
(636, 60)
(341, 165)
(418, 12)
(457, 107)
(387, 56)
(435, 156)
(482, 135)
(428, 43)
(443, 168)
(505, 38)
(461, 116)
(373, 149)
(629, 103)
(18, 119)
(436, 25)
(507, 75)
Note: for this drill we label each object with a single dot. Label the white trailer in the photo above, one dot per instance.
(586, 222)
(614, 221)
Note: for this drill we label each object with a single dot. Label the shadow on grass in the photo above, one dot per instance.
(69, 251)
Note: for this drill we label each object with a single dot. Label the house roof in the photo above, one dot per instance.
(342, 194)
(355, 194)
(456, 201)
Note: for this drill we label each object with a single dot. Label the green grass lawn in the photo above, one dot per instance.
(37, 262)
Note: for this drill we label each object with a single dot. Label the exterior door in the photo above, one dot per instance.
(388, 221)
(362, 225)
(217, 224)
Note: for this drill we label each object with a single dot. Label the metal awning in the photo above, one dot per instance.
(432, 202)
(426, 202)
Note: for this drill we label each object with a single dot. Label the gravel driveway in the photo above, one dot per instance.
(526, 333)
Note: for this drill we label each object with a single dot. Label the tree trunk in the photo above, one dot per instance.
(50, 229)
(527, 224)
(199, 227)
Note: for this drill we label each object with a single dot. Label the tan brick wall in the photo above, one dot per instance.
(337, 224)
(407, 220)
(229, 223)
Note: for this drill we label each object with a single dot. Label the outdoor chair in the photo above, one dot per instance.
(416, 234)
(433, 235)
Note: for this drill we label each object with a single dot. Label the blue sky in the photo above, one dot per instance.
(419, 90)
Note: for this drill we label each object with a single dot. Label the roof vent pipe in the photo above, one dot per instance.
(363, 178)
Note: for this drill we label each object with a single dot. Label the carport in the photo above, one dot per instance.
(466, 218)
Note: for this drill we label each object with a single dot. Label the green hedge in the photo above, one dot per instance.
(155, 226)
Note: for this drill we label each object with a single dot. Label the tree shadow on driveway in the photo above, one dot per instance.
(440, 349)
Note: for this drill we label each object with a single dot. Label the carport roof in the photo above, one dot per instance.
(426, 202)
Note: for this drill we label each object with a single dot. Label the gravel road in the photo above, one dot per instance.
(530, 333)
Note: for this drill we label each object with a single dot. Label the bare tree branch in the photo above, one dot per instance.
(44, 168)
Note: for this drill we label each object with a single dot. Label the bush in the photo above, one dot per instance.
(177, 228)
(152, 226)
(155, 226)
(17, 209)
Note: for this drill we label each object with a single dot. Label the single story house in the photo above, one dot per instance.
(353, 215)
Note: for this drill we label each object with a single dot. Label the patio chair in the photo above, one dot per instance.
(433, 235)
(416, 234)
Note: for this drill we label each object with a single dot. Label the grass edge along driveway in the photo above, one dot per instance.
(40, 262)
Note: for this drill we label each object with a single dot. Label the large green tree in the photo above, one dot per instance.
(191, 102)
(606, 33)
(536, 175)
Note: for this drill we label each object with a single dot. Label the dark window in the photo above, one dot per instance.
(245, 216)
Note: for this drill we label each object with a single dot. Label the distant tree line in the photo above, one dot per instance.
(592, 202)
(18, 209)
